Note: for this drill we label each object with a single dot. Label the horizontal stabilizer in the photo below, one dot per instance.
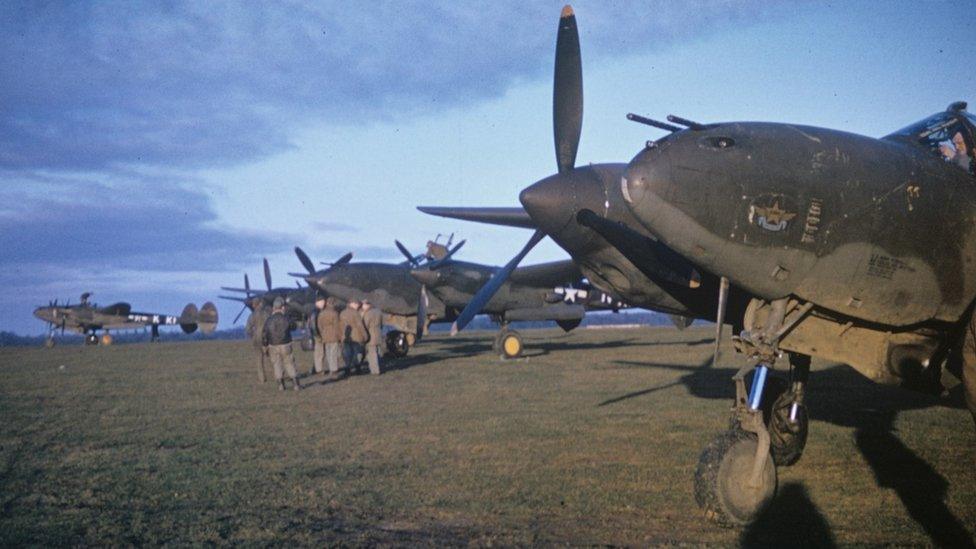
(234, 298)
(509, 217)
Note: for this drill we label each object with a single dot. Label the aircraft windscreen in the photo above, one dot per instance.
(947, 136)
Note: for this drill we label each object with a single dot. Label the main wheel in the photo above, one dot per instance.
(91, 339)
(510, 344)
(397, 344)
(787, 436)
(307, 344)
(496, 345)
(106, 338)
(723, 476)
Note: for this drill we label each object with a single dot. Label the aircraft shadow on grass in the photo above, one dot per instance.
(840, 396)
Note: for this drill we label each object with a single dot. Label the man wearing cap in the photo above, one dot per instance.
(327, 326)
(352, 333)
(254, 329)
(277, 343)
(373, 319)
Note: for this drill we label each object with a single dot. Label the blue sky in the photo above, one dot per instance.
(151, 152)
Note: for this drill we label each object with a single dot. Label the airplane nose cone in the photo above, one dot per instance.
(426, 277)
(550, 202)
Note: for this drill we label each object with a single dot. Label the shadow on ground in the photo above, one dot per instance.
(841, 396)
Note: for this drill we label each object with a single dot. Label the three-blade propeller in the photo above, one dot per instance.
(567, 125)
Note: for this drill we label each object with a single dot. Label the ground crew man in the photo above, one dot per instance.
(352, 333)
(277, 343)
(253, 329)
(318, 357)
(327, 325)
(373, 319)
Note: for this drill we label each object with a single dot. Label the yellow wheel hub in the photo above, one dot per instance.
(512, 346)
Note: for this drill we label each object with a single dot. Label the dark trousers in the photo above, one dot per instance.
(352, 354)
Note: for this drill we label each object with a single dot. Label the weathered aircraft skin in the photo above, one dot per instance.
(388, 286)
(827, 216)
(877, 234)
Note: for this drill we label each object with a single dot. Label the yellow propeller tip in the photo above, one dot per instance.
(567, 11)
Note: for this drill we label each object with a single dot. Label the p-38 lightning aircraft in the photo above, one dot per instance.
(816, 242)
(435, 287)
(88, 318)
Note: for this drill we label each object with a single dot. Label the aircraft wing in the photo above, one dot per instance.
(558, 312)
(116, 309)
(509, 217)
(556, 273)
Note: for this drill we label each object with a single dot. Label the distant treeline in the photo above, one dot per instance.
(9, 339)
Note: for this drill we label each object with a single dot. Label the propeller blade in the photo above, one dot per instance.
(238, 317)
(487, 291)
(422, 305)
(267, 274)
(406, 253)
(305, 261)
(247, 285)
(343, 260)
(723, 298)
(447, 257)
(567, 92)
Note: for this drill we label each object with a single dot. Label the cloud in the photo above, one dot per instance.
(60, 222)
(332, 227)
(92, 85)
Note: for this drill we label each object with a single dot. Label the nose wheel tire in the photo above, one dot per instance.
(724, 487)
(510, 344)
(91, 339)
(397, 344)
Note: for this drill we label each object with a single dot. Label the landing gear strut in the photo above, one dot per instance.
(508, 343)
(736, 476)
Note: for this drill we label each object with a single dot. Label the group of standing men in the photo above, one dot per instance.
(356, 331)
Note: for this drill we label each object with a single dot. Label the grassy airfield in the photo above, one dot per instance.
(591, 439)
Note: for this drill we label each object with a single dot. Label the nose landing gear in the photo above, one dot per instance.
(736, 475)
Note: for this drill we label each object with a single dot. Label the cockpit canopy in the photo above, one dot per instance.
(950, 135)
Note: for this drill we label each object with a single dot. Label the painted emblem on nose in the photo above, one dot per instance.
(771, 212)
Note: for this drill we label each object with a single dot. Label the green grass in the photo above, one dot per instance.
(591, 439)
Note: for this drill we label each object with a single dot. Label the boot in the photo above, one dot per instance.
(281, 385)
(297, 387)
